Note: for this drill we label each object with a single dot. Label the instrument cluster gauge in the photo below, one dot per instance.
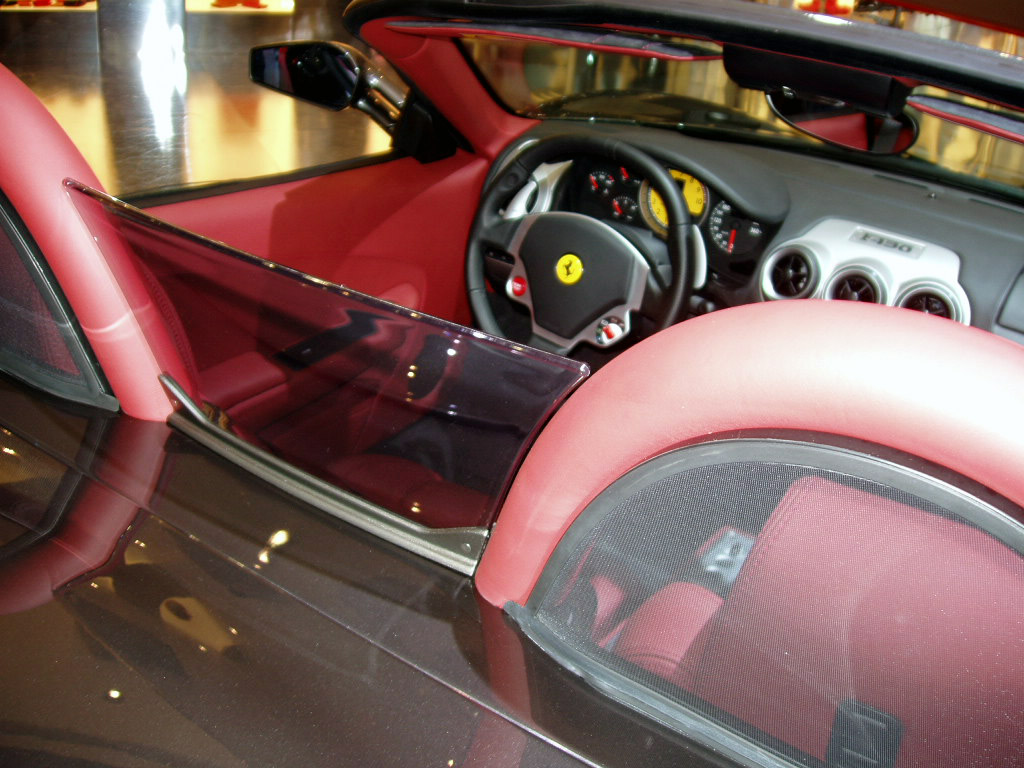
(624, 208)
(628, 178)
(601, 182)
(733, 232)
(652, 207)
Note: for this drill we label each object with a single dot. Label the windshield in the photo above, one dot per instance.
(683, 83)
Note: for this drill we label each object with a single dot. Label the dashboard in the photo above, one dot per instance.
(777, 225)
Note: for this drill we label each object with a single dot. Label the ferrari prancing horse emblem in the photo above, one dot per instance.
(569, 269)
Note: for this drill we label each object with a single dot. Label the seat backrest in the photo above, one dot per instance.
(854, 606)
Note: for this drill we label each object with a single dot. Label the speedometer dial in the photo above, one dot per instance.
(653, 207)
(732, 231)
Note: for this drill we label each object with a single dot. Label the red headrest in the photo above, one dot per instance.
(95, 269)
(922, 385)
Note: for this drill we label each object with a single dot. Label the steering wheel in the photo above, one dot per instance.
(580, 278)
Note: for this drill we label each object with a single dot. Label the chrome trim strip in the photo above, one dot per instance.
(699, 256)
(455, 548)
(543, 181)
(930, 286)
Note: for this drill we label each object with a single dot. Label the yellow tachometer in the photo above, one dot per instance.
(653, 207)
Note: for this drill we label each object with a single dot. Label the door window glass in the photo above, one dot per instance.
(423, 417)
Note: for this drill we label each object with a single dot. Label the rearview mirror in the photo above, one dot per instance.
(841, 105)
(837, 122)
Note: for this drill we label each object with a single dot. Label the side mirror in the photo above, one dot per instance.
(839, 123)
(327, 74)
(331, 75)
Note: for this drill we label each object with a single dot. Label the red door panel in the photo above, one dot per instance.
(395, 229)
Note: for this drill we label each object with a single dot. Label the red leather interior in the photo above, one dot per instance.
(109, 298)
(402, 242)
(434, 64)
(318, 379)
(919, 384)
(849, 596)
(412, 490)
(660, 636)
(240, 379)
(849, 130)
(609, 595)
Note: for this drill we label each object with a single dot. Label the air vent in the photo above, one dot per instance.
(791, 273)
(931, 301)
(855, 286)
(791, 276)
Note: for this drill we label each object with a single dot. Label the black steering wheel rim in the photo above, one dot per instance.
(517, 173)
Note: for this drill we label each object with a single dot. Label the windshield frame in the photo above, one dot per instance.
(1003, 181)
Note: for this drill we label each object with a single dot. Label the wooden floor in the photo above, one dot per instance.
(156, 94)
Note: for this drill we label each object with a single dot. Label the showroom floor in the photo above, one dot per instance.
(157, 95)
(156, 92)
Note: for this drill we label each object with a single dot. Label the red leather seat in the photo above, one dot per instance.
(660, 636)
(412, 490)
(848, 597)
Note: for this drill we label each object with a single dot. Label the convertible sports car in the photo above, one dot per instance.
(657, 400)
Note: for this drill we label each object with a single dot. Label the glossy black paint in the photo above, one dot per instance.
(205, 641)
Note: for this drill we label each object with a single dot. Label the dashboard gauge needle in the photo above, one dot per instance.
(618, 208)
(732, 239)
(593, 183)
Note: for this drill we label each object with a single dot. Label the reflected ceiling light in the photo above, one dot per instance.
(278, 539)
(162, 68)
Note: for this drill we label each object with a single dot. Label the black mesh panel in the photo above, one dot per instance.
(28, 329)
(39, 341)
(827, 618)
